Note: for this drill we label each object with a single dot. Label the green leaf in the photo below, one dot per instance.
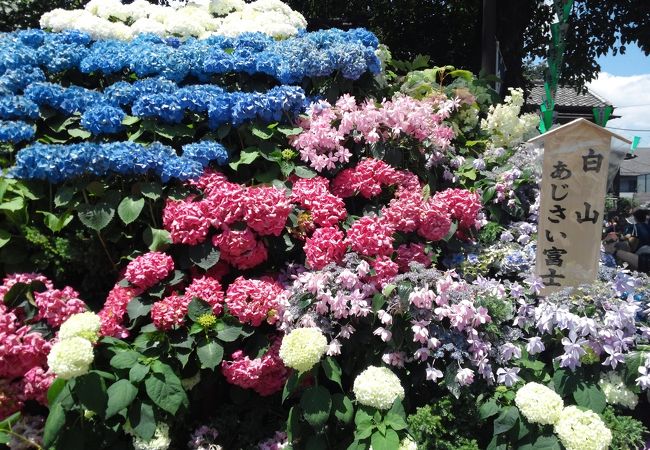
(210, 355)
(63, 196)
(96, 217)
(290, 385)
(156, 239)
(197, 308)
(544, 442)
(229, 334)
(13, 205)
(332, 370)
(388, 442)
(90, 390)
(79, 133)
(136, 308)
(165, 390)
(120, 396)
(5, 237)
(304, 172)
(564, 382)
(130, 120)
(590, 396)
(394, 419)
(316, 404)
(262, 133)
(54, 423)
(55, 389)
(205, 255)
(343, 408)
(142, 420)
(54, 222)
(10, 421)
(138, 372)
(151, 190)
(130, 208)
(506, 420)
(488, 409)
(125, 360)
(289, 131)
(247, 156)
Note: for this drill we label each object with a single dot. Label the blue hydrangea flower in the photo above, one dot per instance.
(103, 119)
(15, 132)
(161, 106)
(17, 107)
(206, 151)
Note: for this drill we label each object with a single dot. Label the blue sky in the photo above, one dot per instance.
(624, 80)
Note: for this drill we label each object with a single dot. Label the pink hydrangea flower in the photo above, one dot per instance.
(411, 252)
(240, 248)
(313, 194)
(367, 179)
(56, 305)
(186, 221)
(463, 205)
(267, 210)
(36, 382)
(435, 221)
(370, 236)
(24, 278)
(148, 269)
(385, 270)
(169, 312)
(207, 289)
(265, 375)
(20, 349)
(325, 246)
(253, 301)
(114, 309)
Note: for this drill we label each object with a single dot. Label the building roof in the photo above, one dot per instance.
(566, 96)
(637, 166)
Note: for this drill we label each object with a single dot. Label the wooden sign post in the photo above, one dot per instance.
(572, 208)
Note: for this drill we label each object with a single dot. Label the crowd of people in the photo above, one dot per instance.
(629, 241)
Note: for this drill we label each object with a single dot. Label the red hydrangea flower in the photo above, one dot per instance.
(169, 312)
(463, 205)
(371, 236)
(207, 289)
(313, 194)
(148, 269)
(36, 382)
(435, 222)
(253, 301)
(325, 246)
(267, 210)
(407, 253)
(56, 305)
(265, 375)
(186, 221)
(114, 309)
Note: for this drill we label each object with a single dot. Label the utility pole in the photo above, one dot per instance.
(488, 38)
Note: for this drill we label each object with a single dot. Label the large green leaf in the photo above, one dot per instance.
(5, 237)
(316, 404)
(488, 409)
(388, 442)
(506, 420)
(247, 156)
(164, 388)
(205, 255)
(125, 360)
(120, 396)
(210, 355)
(156, 239)
(142, 420)
(56, 223)
(197, 308)
(96, 217)
(343, 408)
(90, 390)
(54, 423)
(130, 208)
(589, 395)
(332, 370)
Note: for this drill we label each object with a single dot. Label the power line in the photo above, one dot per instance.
(629, 129)
(631, 106)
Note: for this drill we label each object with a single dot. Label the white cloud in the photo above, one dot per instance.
(631, 96)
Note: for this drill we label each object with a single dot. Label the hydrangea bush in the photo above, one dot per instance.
(288, 241)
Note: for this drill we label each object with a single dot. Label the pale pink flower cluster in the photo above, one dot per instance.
(169, 312)
(265, 375)
(148, 269)
(254, 301)
(240, 214)
(327, 129)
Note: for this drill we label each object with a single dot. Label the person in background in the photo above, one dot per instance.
(613, 226)
(637, 231)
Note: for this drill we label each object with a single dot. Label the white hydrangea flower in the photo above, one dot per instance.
(302, 348)
(616, 392)
(84, 325)
(408, 444)
(582, 430)
(223, 7)
(71, 357)
(159, 441)
(505, 126)
(377, 387)
(539, 404)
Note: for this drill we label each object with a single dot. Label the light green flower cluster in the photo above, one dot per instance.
(302, 348)
(506, 127)
(539, 404)
(582, 430)
(84, 325)
(159, 441)
(377, 387)
(616, 393)
(72, 355)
